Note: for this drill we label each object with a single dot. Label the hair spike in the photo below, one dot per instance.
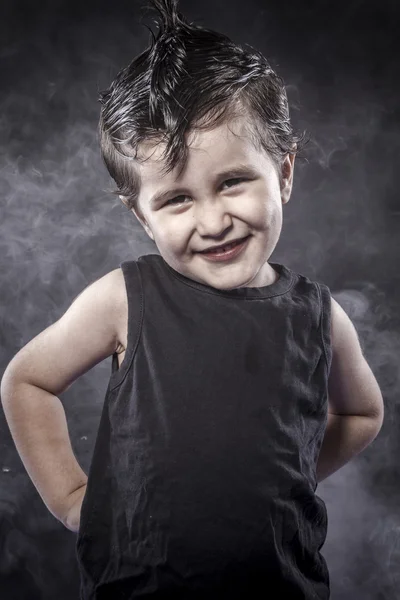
(168, 10)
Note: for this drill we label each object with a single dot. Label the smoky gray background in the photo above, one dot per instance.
(61, 229)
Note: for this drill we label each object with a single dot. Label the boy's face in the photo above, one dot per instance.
(205, 208)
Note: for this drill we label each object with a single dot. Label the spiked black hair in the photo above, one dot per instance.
(189, 78)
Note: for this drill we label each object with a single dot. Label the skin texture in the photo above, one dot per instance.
(208, 210)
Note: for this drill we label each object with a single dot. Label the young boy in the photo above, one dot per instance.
(237, 384)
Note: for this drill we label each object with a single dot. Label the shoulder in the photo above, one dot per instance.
(345, 343)
(115, 288)
(343, 331)
(344, 336)
(115, 279)
(107, 296)
(109, 290)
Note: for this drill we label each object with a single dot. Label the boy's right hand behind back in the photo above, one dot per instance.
(73, 513)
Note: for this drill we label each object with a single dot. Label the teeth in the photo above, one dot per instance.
(225, 248)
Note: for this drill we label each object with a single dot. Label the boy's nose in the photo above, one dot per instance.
(213, 221)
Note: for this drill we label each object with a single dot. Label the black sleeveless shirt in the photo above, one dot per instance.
(203, 476)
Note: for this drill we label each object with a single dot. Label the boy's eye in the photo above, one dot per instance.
(173, 200)
(236, 179)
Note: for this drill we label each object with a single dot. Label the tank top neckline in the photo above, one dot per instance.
(282, 285)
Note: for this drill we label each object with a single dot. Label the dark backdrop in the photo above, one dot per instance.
(61, 230)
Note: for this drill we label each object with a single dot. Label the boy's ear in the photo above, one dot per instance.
(287, 170)
(138, 214)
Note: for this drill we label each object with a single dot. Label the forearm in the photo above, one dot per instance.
(345, 437)
(38, 426)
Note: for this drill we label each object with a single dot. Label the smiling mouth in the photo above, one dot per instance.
(227, 247)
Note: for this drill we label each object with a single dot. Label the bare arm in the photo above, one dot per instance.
(85, 335)
(37, 423)
(355, 402)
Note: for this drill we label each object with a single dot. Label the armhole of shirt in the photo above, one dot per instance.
(135, 297)
(325, 323)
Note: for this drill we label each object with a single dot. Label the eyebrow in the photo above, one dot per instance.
(241, 170)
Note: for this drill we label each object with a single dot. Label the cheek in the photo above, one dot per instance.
(168, 233)
(274, 214)
(265, 201)
(264, 211)
(275, 219)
